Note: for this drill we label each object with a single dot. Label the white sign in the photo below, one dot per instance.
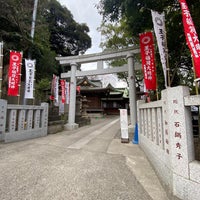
(30, 75)
(124, 123)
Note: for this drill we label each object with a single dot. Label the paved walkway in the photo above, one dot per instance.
(90, 163)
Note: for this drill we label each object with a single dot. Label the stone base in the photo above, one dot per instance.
(124, 140)
(131, 128)
(55, 127)
(70, 127)
(82, 121)
(24, 135)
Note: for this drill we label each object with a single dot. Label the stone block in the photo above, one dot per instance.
(195, 171)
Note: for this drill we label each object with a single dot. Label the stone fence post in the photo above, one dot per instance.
(179, 137)
(45, 117)
(3, 113)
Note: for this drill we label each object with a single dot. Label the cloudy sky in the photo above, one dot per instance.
(84, 11)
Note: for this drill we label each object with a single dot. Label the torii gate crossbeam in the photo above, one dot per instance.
(96, 72)
(95, 57)
(74, 61)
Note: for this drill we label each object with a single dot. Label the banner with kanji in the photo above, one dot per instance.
(159, 29)
(30, 75)
(191, 36)
(14, 73)
(148, 60)
(63, 90)
(55, 89)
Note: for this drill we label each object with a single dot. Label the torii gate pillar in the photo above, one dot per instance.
(74, 61)
(71, 125)
(132, 90)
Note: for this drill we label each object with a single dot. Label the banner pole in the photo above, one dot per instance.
(34, 91)
(167, 58)
(167, 62)
(156, 75)
(1, 68)
(34, 85)
(196, 83)
(20, 79)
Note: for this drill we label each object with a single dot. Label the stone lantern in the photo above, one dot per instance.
(84, 107)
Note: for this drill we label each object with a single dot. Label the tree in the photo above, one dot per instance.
(138, 19)
(67, 37)
(56, 33)
(115, 36)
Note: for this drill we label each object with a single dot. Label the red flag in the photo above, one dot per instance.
(148, 61)
(191, 36)
(78, 89)
(14, 73)
(63, 90)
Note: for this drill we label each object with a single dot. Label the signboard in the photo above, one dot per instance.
(30, 75)
(124, 125)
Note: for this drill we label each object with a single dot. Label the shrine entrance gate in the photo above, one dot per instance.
(76, 61)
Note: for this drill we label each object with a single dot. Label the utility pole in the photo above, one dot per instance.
(32, 36)
(34, 19)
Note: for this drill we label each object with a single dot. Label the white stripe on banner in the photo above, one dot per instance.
(30, 75)
(159, 28)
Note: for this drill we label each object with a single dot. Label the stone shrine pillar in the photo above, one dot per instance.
(132, 90)
(71, 125)
(179, 133)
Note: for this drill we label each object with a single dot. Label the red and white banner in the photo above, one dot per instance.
(160, 32)
(14, 73)
(191, 36)
(63, 90)
(67, 92)
(148, 61)
(55, 89)
(30, 75)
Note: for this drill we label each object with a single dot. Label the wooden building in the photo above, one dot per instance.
(102, 100)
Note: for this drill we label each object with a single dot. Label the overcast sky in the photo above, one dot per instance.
(84, 11)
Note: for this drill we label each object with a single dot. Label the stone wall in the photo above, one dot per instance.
(165, 134)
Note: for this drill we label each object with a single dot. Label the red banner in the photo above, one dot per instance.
(63, 91)
(14, 73)
(191, 36)
(148, 61)
(78, 89)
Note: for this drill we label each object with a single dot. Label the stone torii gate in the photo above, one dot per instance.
(75, 61)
